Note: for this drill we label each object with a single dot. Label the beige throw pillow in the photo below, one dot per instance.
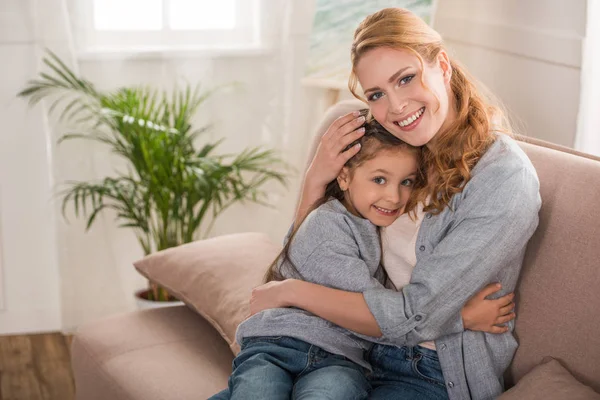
(214, 277)
(550, 381)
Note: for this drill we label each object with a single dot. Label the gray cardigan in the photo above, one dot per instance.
(479, 239)
(333, 248)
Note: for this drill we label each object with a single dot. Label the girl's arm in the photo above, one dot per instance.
(346, 309)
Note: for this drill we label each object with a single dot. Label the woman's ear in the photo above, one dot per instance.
(343, 179)
(445, 65)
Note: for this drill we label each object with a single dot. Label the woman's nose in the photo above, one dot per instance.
(397, 104)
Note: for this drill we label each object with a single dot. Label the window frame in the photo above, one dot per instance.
(244, 34)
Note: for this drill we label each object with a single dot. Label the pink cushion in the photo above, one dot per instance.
(550, 381)
(215, 277)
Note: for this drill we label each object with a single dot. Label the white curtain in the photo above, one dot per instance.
(92, 283)
(588, 127)
(37, 244)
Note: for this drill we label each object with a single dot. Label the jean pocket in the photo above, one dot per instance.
(428, 370)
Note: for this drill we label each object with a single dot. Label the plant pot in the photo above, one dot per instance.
(142, 302)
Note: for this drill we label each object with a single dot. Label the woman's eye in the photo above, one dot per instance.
(407, 182)
(375, 96)
(406, 80)
(379, 180)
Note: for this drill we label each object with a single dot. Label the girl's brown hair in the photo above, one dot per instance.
(460, 146)
(375, 139)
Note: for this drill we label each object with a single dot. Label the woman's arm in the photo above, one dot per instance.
(311, 192)
(491, 225)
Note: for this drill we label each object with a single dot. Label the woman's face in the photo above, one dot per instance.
(391, 80)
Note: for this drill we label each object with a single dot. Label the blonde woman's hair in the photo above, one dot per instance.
(460, 146)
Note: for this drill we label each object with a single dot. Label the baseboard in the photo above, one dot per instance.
(31, 321)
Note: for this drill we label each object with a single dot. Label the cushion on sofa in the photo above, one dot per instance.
(550, 381)
(214, 277)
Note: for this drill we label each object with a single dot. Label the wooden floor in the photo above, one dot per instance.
(36, 367)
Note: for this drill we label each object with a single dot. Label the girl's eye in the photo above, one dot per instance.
(407, 182)
(406, 80)
(375, 96)
(379, 180)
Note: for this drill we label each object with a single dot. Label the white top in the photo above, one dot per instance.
(398, 242)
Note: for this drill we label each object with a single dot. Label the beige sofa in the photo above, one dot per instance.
(174, 353)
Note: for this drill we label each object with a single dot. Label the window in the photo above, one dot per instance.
(127, 24)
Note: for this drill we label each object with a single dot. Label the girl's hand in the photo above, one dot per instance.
(274, 294)
(481, 314)
(330, 156)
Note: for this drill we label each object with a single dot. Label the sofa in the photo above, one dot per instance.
(186, 352)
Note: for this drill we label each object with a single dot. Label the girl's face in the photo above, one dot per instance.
(379, 188)
(391, 80)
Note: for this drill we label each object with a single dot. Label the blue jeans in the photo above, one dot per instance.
(405, 373)
(284, 368)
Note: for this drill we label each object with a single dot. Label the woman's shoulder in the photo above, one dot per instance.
(503, 178)
(502, 160)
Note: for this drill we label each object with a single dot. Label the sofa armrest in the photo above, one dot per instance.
(165, 353)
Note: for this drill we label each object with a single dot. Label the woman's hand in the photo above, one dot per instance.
(481, 314)
(329, 159)
(330, 156)
(274, 294)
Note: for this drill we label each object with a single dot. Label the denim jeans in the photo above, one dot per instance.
(405, 373)
(284, 368)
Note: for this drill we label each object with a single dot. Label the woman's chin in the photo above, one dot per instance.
(415, 138)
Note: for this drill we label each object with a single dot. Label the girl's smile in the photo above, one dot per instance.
(379, 188)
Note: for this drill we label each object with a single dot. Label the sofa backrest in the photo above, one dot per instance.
(558, 294)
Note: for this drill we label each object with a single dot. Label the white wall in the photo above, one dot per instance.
(527, 52)
(30, 291)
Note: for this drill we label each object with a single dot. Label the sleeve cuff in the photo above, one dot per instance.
(455, 324)
(387, 306)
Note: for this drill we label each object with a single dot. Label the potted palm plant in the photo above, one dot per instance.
(172, 190)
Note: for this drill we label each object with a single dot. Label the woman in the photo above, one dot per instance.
(482, 208)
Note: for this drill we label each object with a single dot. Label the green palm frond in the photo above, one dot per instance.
(171, 185)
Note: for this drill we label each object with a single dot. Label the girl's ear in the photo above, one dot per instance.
(343, 179)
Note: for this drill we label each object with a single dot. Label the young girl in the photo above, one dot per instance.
(483, 209)
(288, 352)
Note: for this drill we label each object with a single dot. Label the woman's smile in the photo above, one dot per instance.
(412, 121)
